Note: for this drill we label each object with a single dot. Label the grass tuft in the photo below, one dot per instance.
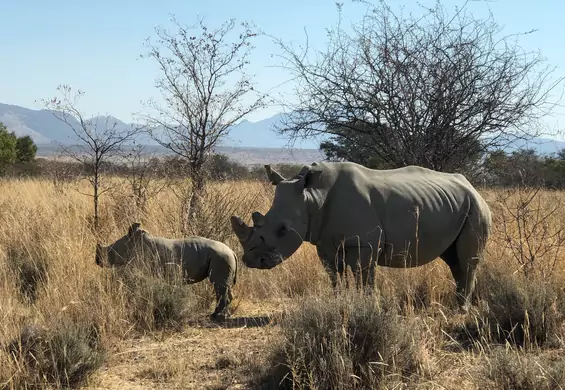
(62, 356)
(519, 312)
(511, 370)
(353, 342)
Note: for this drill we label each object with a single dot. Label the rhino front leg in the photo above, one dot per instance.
(362, 262)
(334, 266)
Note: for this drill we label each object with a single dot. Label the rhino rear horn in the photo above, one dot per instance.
(258, 219)
(274, 177)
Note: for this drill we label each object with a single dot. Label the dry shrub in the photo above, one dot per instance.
(28, 266)
(524, 312)
(419, 289)
(513, 370)
(528, 226)
(355, 341)
(223, 200)
(64, 354)
(155, 303)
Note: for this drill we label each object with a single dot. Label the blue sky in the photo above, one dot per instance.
(95, 45)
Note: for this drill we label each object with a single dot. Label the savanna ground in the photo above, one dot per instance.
(67, 322)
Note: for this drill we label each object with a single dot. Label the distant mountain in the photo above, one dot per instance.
(45, 128)
(261, 134)
(542, 146)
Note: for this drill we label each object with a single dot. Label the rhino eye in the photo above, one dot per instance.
(262, 239)
(281, 230)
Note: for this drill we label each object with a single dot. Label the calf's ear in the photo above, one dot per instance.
(133, 228)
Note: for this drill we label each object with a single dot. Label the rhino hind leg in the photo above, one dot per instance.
(224, 297)
(463, 257)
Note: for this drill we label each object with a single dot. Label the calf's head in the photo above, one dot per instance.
(122, 250)
(275, 236)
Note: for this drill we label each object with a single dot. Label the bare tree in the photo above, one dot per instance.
(99, 140)
(205, 89)
(430, 91)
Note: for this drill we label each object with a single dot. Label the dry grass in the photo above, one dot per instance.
(96, 327)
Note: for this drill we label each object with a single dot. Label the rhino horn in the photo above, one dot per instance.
(289, 243)
(274, 177)
(258, 219)
(239, 227)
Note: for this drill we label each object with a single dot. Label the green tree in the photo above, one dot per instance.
(25, 149)
(7, 148)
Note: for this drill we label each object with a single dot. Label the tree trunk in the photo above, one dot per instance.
(198, 190)
(95, 199)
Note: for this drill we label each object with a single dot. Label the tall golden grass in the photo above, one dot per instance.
(49, 280)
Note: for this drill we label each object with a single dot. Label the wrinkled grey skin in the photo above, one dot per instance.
(199, 257)
(359, 217)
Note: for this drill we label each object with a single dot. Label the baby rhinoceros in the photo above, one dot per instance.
(199, 257)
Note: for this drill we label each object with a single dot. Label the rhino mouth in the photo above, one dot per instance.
(266, 261)
(98, 256)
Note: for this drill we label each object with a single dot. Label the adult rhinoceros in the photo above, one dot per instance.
(403, 217)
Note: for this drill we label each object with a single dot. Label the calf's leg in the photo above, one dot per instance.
(220, 277)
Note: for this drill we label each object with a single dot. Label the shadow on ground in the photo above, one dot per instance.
(236, 322)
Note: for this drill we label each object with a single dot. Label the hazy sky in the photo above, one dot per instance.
(95, 45)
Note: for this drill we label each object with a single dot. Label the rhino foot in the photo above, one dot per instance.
(218, 317)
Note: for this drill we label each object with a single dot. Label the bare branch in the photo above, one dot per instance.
(437, 91)
(98, 140)
(205, 88)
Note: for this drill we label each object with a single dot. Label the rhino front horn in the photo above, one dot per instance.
(239, 227)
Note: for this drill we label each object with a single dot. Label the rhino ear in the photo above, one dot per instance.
(274, 177)
(133, 228)
(306, 177)
(239, 227)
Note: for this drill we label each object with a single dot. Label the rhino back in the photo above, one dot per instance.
(398, 206)
(190, 254)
